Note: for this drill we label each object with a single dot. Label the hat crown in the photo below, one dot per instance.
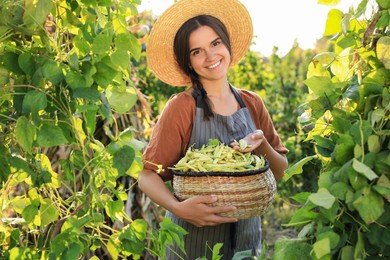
(159, 49)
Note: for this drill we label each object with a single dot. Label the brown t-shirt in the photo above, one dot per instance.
(172, 131)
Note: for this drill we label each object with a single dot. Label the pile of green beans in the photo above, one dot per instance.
(219, 157)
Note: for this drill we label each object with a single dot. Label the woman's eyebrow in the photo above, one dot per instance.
(213, 41)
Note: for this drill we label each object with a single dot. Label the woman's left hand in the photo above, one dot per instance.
(253, 140)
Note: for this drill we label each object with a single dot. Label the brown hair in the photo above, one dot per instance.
(182, 51)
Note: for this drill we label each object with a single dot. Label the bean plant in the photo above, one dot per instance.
(347, 115)
(65, 74)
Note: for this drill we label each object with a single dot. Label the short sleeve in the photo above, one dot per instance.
(171, 134)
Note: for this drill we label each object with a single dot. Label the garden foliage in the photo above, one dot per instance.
(347, 112)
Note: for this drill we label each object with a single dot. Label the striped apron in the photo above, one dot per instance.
(240, 236)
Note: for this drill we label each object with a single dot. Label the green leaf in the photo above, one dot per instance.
(106, 72)
(123, 41)
(30, 212)
(369, 204)
(76, 80)
(102, 43)
(333, 237)
(49, 135)
(302, 216)
(291, 249)
(25, 133)
(361, 131)
(374, 144)
(341, 125)
(123, 159)
(341, 66)
(121, 58)
(10, 61)
(339, 190)
(41, 178)
(72, 251)
(171, 232)
(297, 167)
(322, 198)
(383, 187)
(53, 71)
(321, 248)
(26, 63)
(36, 13)
(34, 101)
(363, 169)
(48, 212)
(121, 99)
(115, 210)
(383, 50)
(344, 148)
(333, 22)
(132, 237)
(385, 4)
(320, 85)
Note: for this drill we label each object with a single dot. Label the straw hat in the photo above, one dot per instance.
(159, 49)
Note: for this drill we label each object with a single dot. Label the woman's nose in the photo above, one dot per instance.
(210, 54)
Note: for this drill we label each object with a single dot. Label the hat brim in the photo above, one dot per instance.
(159, 49)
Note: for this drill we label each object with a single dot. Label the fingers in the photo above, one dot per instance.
(257, 134)
(200, 213)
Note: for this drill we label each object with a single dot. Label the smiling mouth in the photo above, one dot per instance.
(215, 65)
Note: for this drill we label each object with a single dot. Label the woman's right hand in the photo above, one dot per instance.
(199, 212)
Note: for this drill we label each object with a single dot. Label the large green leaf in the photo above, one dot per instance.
(106, 72)
(121, 99)
(385, 4)
(123, 159)
(26, 63)
(48, 212)
(53, 71)
(25, 133)
(333, 22)
(344, 148)
(321, 248)
(297, 167)
(49, 135)
(102, 43)
(36, 12)
(291, 249)
(363, 169)
(34, 101)
(383, 50)
(320, 85)
(369, 204)
(322, 198)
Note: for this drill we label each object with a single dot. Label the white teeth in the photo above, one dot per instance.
(215, 65)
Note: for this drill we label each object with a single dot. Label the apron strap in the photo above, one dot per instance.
(197, 94)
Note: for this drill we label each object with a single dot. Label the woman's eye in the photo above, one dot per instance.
(195, 53)
(216, 43)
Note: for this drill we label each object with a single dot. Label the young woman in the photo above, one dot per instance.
(194, 43)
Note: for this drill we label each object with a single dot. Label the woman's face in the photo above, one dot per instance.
(209, 56)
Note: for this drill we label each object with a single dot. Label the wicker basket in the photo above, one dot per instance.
(252, 192)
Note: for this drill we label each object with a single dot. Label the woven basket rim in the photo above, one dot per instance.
(231, 174)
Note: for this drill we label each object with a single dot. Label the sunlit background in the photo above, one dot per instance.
(278, 22)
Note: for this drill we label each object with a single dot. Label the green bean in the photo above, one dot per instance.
(218, 157)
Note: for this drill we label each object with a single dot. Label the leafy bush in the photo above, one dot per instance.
(347, 113)
(65, 75)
